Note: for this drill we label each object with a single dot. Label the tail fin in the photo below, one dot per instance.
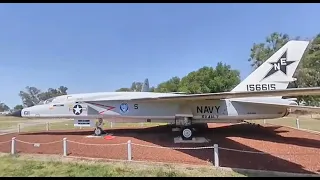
(145, 86)
(277, 72)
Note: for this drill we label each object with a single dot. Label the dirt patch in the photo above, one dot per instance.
(282, 149)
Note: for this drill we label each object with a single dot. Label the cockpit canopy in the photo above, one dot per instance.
(57, 99)
(74, 97)
(46, 101)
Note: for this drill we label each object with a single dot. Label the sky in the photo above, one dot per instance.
(103, 47)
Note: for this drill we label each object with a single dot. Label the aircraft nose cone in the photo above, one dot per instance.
(16, 113)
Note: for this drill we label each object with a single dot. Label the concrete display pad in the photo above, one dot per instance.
(194, 140)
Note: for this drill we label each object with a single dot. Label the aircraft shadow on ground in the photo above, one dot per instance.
(163, 136)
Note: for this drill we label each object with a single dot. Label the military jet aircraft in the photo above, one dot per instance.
(259, 96)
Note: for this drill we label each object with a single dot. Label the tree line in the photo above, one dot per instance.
(214, 79)
(224, 78)
(32, 96)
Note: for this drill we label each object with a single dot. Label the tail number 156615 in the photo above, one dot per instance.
(261, 87)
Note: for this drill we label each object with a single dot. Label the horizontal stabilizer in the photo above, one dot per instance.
(290, 106)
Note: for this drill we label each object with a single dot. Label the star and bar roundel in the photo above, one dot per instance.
(78, 109)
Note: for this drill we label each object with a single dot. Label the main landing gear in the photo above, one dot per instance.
(98, 131)
(186, 130)
(187, 133)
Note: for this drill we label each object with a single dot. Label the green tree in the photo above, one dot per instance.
(308, 74)
(260, 52)
(18, 107)
(123, 90)
(172, 85)
(33, 95)
(210, 80)
(4, 107)
(135, 86)
(204, 80)
(152, 89)
(30, 97)
(145, 86)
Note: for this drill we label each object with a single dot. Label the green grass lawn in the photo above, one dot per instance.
(25, 166)
(7, 122)
(305, 122)
(14, 119)
(9, 118)
(6, 125)
(68, 125)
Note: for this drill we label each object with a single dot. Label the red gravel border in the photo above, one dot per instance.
(286, 149)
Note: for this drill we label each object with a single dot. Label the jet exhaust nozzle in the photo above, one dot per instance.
(16, 113)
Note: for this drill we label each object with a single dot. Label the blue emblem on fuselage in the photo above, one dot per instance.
(124, 107)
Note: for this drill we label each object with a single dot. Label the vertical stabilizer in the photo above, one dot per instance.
(276, 72)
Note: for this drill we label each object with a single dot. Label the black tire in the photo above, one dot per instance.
(98, 131)
(187, 133)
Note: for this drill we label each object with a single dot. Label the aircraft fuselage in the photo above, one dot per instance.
(201, 111)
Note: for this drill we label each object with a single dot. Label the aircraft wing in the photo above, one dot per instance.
(229, 95)
(224, 95)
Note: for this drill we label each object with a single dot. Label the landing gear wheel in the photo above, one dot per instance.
(187, 133)
(98, 131)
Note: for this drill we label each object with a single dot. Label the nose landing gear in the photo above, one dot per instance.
(98, 131)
